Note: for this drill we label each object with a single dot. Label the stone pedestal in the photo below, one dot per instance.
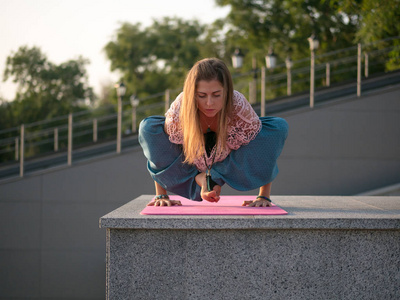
(325, 248)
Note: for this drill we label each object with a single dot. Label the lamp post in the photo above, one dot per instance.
(237, 59)
(121, 89)
(134, 103)
(358, 70)
(289, 65)
(270, 61)
(253, 83)
(314, 43)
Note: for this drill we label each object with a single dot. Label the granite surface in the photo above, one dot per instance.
(304, 212)
(325, 248)
(253, 264)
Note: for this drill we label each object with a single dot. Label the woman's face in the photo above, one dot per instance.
(210, 97)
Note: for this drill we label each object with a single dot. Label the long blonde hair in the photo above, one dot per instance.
(193, 139)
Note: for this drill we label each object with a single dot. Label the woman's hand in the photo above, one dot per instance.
(212, 196)
(164, 202)
(257, 203)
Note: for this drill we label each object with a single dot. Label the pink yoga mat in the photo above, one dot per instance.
(227, 205)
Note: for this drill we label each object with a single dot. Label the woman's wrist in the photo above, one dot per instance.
(261, 197)
(200, 178)
(162, 196)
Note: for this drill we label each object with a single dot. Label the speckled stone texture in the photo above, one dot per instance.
(260, 257)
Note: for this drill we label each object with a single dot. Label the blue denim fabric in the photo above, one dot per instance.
(246, 168)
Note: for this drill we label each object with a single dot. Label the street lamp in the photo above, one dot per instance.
(289, 65)
(121, 89)
(270, 59)
(237, 59)
(253, 84)
(134, 103)
(314, 44)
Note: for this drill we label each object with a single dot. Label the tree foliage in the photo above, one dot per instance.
(155, 58)
(285, 25)
(44, 89)
(376, 20)
(256, 26)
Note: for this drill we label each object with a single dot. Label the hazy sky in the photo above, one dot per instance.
(65, 29)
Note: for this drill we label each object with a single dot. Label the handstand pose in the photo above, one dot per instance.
(211, 136)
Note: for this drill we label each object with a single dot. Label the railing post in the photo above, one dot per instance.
(366, 65)
(263, 79)
(253, 91)
(16, 149)
(328, 74)
(253, 83)
(289, 81)
(359, 71)
(119, 125)
(312, 77)
(167, 100)
(21, 157)
(70, 139)
(55, 139)
(95, 130)
(134, 129)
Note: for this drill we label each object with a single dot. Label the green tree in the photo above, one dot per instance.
(44, 89)
(285, 25)
(256, 25)
(155, 58)
(376, 20)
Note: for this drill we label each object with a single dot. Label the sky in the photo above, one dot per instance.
(67, 29)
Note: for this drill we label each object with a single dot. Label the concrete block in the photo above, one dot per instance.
(326, 247)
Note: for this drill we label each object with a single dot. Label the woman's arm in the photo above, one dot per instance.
(164, 199)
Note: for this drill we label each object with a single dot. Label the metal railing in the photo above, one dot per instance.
(69, 132)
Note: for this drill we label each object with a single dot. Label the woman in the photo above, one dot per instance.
(211, 136)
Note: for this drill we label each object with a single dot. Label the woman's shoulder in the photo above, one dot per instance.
(240, 103)
(238, 98)
(244, 123)
(172, 123)
(178, 100)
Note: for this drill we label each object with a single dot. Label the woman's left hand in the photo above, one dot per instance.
(212, 196)
(257, 203)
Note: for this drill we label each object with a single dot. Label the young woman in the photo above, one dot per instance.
(211, 136)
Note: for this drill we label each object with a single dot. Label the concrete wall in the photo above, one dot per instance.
(50, 243)
(344, 148)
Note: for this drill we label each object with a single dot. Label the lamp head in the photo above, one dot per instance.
(121, 89)
(237, 59)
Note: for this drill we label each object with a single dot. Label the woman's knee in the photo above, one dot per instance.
(274, 128)
(150, 126)
(282, 126)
